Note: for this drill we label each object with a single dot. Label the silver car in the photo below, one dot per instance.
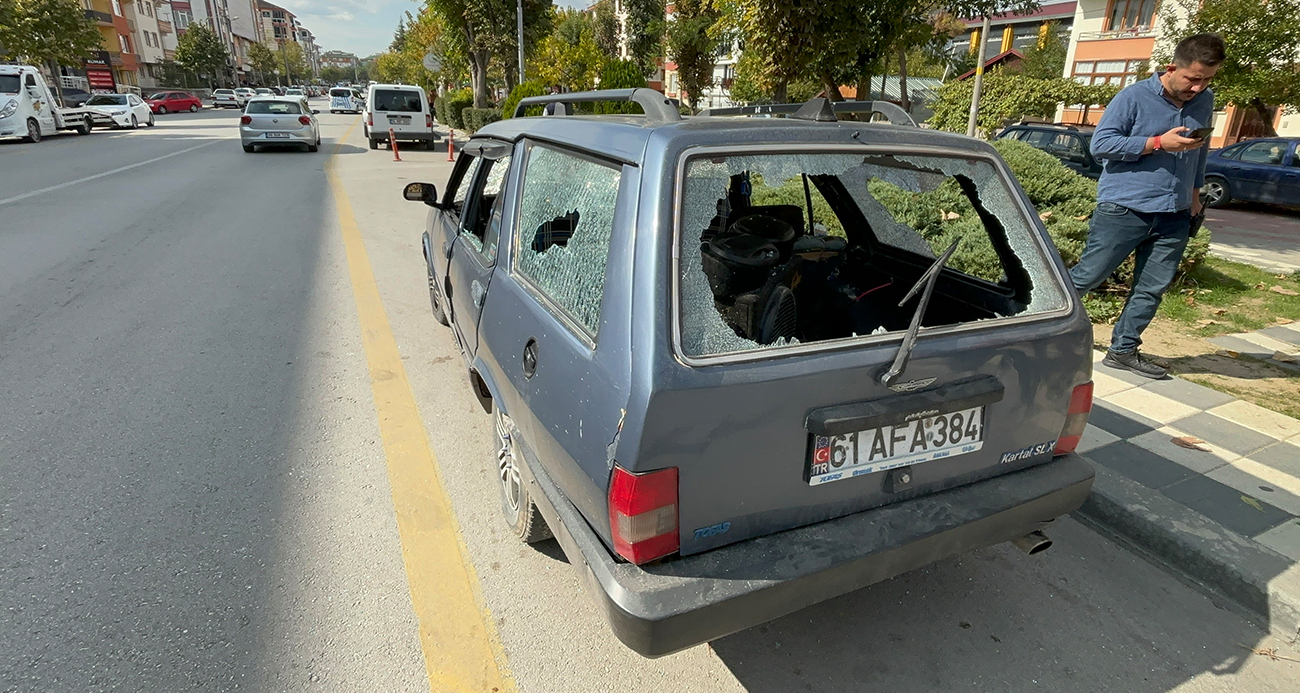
(279, 121)
(227, 98)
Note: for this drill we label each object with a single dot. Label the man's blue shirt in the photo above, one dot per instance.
(1160, 181)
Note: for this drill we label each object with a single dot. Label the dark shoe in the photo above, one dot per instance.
(1134, 362)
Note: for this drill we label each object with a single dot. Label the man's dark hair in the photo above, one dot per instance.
(1206, 49)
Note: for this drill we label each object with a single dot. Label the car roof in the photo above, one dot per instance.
(408, 87)
(283, 99)
(625, 137)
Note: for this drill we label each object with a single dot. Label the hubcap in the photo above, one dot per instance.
(1213, 192)
(508, 470)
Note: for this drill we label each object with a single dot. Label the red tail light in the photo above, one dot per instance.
(370, 120)
(305, 120)
(245, 120)
(428, 120)
(1076, 419)
(643, 514)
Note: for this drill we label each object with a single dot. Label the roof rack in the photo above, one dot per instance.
(819, 109)
(657, 107)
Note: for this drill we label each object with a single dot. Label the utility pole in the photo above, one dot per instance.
(519, 19)
(979, 80)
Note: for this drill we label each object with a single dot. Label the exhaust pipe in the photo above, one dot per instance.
(1032, 543)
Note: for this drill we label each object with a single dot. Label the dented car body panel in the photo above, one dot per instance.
(583, 332)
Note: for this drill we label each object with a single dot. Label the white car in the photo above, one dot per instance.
(246, 92)
(223, 98)
(295, 92)
(120, 110)
(279, 121)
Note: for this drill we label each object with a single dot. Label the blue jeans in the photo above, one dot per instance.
(1159, 240)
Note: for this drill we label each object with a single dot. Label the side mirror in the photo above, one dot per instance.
(314, 111)
(421, 192)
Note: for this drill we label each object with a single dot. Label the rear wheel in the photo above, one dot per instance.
(1217, 192)
(33, 130)
(520, 511)
(84, 127)
(248, 148)
(374, 144)
(313, 147)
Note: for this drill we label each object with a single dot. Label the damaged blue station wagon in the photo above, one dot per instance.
(741, 365)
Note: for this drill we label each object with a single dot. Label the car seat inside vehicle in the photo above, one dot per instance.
(798, 250)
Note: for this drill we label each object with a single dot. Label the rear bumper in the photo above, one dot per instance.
(381, 134)
(659, 609)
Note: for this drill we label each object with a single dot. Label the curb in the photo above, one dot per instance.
(1264, 583)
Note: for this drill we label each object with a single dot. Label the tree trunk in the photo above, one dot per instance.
(902, 80)
(782, 92)
(832, 89)
(864, 87)
(478, 73)
(58, 83)
(1265, 116)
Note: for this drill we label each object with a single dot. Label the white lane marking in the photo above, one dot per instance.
(128, 167)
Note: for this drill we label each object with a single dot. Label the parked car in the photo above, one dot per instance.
(279, 121)
(263, 91)
(1071, 144)
(401, 108)
(1262, 170)
(227, 98)
(295, 91)
(74, 98)
(173, 102)
(246, 92)
(120, 110)
(728, 373)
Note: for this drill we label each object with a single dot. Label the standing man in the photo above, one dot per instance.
(1150, 188)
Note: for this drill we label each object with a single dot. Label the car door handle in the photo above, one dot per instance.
(1235, 168)
(477, 293)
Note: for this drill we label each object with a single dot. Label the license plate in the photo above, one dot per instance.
(399, 120)
(908, 442)
(278, 134)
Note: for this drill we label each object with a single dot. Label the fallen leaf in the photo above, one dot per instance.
(1190, 300)
(1285, 357)
(1203, 291)
(1189, 442)
(1283, 290)
(1260, 286)
(1221, 311)
(951, 216)
(1206, 322)
(1081, 217)
(1227, 353)
(1045, 215)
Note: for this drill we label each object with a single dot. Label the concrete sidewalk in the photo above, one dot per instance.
(1225, 511)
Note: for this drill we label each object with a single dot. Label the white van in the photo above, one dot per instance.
(404, 109)
(343, 100)
(28, 109)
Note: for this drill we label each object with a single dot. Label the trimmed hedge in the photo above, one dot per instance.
(475, 118)
(519, 93)
(447, 108)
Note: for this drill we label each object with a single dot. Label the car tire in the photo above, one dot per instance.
(435, 299)
(249, 148)
(151, 121)
(194, 108)
(1217, 192)
(162, 110)
(516, 503)
(86, 125)
(135, 122)
(374, 144)
(313, 147)
(33, 131)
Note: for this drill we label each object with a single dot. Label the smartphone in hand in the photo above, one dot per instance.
(1199, 133)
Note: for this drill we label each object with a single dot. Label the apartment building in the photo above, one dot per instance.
(142, 17)
(246, 30)
(1010, 31)
(116, 67)
(310, 51)
(278, 24)
(1112, 42)
(167, 31)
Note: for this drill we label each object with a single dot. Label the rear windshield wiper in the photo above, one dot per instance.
(926, 281)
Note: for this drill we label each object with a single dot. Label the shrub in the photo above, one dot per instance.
(454, 103)
(440, 109)
(519, 93)
(620, 74)
(475, 118)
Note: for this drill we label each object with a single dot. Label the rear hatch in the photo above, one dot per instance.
(341, 98)
(400, 109)
(801, 390)
(274, 115)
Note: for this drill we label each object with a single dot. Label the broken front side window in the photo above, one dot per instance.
(785, 248)
(566, 218)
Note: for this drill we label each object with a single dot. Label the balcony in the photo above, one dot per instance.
(1131, 32)
(101, 18)
(165, 27)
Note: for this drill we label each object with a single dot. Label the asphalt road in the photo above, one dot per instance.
(1261, 235)
(195, 493)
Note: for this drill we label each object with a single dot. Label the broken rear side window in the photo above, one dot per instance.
(566, 218)
(778, 249)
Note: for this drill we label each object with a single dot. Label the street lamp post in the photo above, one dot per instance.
(979, 80)
(519, 19)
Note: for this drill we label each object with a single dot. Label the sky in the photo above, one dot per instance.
(363, 27)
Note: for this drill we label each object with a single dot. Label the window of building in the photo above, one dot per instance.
(121, 40)
(182, 19)
(1130, 14)
(1118, 72)
(117, 8)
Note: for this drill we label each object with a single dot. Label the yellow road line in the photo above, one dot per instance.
(461, 648)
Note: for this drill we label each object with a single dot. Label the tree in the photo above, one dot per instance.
(200, 51)
(293, 60)
(47, 32)
(604, 27)
(1007, 96)
(570, 56)
(263, 60)
(1045, 59)
(643, 31)
(1262, 68)
(691, 45)
(486, 29)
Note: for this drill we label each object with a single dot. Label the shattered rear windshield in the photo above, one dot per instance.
(780, 249)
